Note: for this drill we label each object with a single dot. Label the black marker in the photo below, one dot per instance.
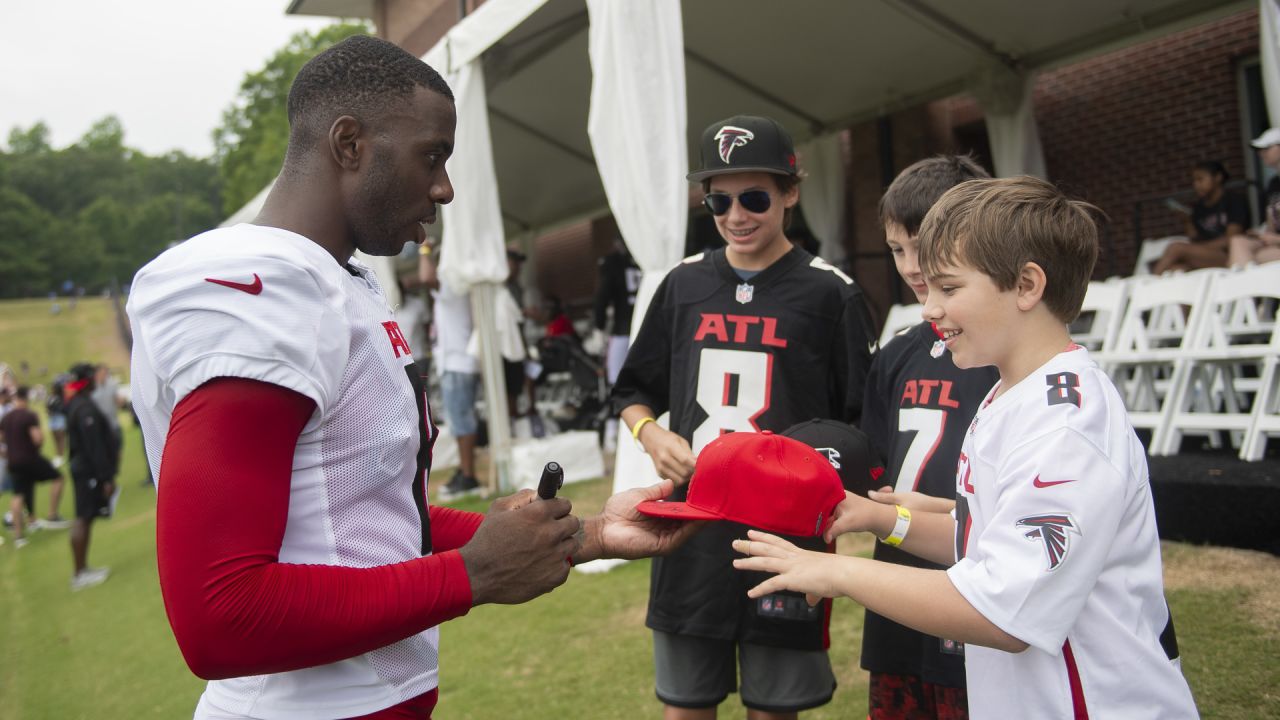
(552, 479)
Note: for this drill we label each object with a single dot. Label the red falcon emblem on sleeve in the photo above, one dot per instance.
(731, 137)
(1053, 530)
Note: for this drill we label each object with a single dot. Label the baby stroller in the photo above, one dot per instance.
(572, 389)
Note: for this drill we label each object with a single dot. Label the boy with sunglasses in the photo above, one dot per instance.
(757, 336)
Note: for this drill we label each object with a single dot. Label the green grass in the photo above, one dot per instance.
(52, 343)
(582, 651)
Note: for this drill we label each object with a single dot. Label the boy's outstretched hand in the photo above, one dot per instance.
(799, 570)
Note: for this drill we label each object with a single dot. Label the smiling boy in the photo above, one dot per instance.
(759, 335)
(1055, 579)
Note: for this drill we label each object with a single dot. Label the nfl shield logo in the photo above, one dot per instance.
(744, 293)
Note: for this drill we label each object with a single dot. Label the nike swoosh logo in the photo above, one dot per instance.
(1048, 483)
(252, 288)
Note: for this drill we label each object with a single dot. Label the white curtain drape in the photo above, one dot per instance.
(637, 126)
(1269, 48)
(1005, 96)
(473, 256)
(823, 194)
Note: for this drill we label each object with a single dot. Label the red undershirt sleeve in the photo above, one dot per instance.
(451, 529)
(222, 506)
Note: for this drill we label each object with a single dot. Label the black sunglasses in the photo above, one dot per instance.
(753, 201)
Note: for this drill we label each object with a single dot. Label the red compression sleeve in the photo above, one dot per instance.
(451, 529)
(222, 508)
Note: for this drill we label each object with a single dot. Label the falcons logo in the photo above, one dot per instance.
(731, 137)
(1052, 529)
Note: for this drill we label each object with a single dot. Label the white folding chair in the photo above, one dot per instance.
(1100, 316)
(900, 318)
(1146, 360)
(1151, 250)
(1224, 359)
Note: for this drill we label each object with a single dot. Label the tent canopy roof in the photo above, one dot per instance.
(816, 66)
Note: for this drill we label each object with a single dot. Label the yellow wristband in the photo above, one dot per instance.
(424, 249)
(635, 429)
(900, 527)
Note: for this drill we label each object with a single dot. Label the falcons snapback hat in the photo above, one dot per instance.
(847, 448)
(763, 480)
(745, 143)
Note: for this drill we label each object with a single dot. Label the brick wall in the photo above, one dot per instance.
(1116, 128)
(1130, 124)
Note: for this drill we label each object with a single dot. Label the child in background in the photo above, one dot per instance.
(1216, 216)
(916, 408)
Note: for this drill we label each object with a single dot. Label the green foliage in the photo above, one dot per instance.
(94, 212)
(249, 146)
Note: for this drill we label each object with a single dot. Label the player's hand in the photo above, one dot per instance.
(858, 514)
(621, 531)
(914, 501)
(799, 570)
(521, 550)
(671, 454)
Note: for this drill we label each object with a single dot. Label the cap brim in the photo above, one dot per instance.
(701, 175)
(674, 511)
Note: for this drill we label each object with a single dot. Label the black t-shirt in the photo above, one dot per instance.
(619, 281)
(917, 410)
(15, 430)
(793, 343)
(1211, 221)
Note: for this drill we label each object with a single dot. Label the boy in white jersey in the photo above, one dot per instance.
(1054, 579)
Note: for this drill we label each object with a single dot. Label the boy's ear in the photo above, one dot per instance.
(1031, 286)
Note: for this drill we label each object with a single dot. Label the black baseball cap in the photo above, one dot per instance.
(847, 448)
(745, 143)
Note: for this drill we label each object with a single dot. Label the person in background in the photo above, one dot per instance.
(94, 461)
(1216, 216)
(615, 303)
(1263, 244)
(22, 437)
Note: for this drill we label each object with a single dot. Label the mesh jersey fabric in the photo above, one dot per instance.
(266, 304)
(1057, 546)
(916, 412)
(793, 345)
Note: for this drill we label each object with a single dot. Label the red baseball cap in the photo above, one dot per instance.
(763, 480)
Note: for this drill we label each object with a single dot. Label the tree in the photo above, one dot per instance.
(23, 264)
(249, 145)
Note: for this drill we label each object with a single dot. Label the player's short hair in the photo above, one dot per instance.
(998, 226)
(917, 188)
(361, 76)
(22, 392)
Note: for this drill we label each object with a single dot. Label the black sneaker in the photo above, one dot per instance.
(460, 486)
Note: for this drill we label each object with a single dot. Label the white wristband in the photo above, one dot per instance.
(900, 527)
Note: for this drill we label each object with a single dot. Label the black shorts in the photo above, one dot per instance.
(90, 498)
(695, 672)
(26, 475)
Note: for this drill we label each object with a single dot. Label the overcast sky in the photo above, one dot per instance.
(166, 68)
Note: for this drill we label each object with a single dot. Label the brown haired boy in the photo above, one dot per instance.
(1054, 580)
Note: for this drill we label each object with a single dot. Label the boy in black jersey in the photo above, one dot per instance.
(757, 336)
(918, 405)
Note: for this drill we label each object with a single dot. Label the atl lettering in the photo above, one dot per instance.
(921, 393)
(398, 343)
(745, 329)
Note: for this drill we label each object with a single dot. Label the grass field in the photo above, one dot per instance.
(50, 343)
(582, 651)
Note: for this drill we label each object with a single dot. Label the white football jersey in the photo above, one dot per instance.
(266, 304)
(1056, 544)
